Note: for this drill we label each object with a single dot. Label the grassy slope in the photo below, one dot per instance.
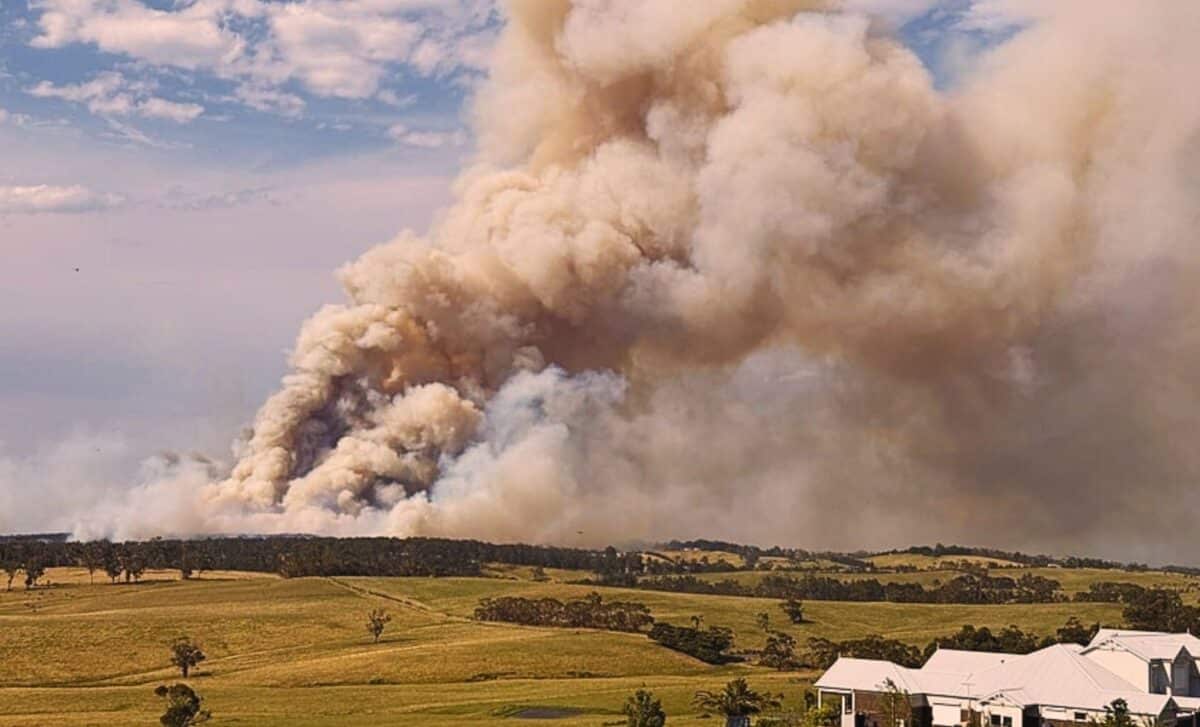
(916, 560)
(296, 652)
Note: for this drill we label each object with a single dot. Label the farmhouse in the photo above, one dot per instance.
(1058, 686)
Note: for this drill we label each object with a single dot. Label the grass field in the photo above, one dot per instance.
(296, 652)
(926, 562)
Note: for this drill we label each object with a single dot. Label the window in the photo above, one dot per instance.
(995, 720)
(1081, 717)
(1158, 678)
(1181, 677)
(1007, 722)
(847, 704)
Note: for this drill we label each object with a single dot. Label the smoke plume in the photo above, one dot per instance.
(740, 270)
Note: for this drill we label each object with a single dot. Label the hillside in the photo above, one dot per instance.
(296, 652)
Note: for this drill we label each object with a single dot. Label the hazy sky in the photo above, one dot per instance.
(178, 180)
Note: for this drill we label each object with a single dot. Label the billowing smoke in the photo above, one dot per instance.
(740, 270)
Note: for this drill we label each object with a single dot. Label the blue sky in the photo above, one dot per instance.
(178, 180)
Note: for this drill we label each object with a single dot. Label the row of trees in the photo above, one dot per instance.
(591, 612)
(1158, 609)
(1025, 559)
(127, 561)
(975, 589)
(710, 645)
(821, 652)
(294, 556)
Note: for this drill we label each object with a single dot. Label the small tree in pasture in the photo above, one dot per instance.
(377, 620)
(34, 570)
(780, 651)
(112, 566)
(186, 654)
(183, 706)
(794, 610)
(92, 559)
(132, 562)
(11, 568)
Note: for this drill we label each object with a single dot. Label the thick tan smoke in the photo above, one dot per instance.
(738, 269)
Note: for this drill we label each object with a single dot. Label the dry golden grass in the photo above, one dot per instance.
(296, 652)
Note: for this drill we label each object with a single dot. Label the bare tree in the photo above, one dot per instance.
(377, 619)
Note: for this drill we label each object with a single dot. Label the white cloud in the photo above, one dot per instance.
(137, 136)
(180, 113)
(898, 11)
(45, 198)
(110, 94)
(391, 98)
(426, 139)
(335, 49)
(181, 199)
(261, 98)
(192, 37)
(999, 15)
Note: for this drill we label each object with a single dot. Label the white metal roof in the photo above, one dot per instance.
(965, 662)
(1147, 644)
(1057, 676)
(868, 675)
(1061, 676)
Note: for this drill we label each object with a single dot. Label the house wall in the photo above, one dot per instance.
(1065, 717)
(1009, 716)
(947, 712)
(870, 704)
(1129, 667)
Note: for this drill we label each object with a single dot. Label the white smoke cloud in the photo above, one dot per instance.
(727, 272)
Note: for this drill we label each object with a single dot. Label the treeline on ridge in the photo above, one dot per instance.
(981, 589)
(297, 556)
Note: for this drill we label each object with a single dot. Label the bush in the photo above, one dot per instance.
(183, 706)
(643, 710)
(708, 645)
